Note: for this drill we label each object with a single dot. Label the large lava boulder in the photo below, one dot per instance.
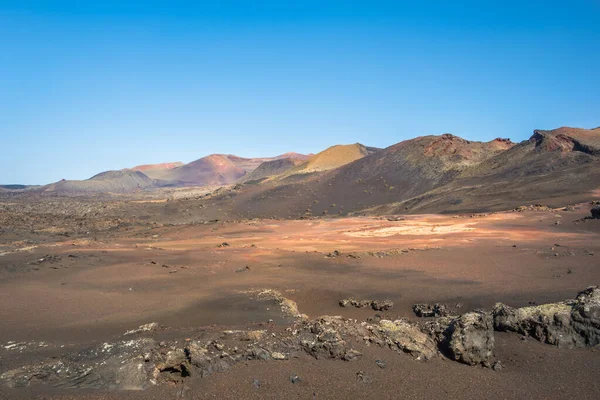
(570, 323)
(595, 212)
(470, 339)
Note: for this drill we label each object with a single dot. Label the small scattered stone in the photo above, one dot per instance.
(377, 305)
(352, 355)
(278, 356)
(362, 377)
(381, 305)
(428, 310)
(144, 328)
(295, 378)
(380, 363)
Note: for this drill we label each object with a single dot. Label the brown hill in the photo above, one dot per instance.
(217, 169)
(568, 139)
(273, 168)
(124, 181)
(556, 167)
(156, 171)
(333, 157)
(444, 174)
(381, 177)
(297, 156)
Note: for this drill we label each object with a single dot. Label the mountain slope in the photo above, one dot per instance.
(397, 172)
(333, 157)
(558, 167)
(273, 168)
(124, 181)
(444, 174)
(217, 169)
(210, 170)
(157, 171)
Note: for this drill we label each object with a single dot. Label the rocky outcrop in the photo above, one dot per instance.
(325, 339)
(407, 338)
(571, 323)
(152, 326)
(429, 310)
(288, 307)
(121, 365)
(470, 339)
(377, 305)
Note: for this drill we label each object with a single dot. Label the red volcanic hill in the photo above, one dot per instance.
(215, 169)
(568, 139)
(218, 169)
(156, 171)
(295, 156)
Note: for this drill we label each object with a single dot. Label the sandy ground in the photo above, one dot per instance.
(92, 289)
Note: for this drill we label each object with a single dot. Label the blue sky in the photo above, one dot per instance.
(91, 86)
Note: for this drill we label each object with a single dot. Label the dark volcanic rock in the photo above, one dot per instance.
(326, 340)
(407, 338)
(354, 303)
(428, 310)
(381, 305)
(470, 338)
(377, 305)
(143, 362)
(118, 365)
(362, 377)
(334, 254)
(295, 378)
(571, 323)
(352, 355)
(595, 211)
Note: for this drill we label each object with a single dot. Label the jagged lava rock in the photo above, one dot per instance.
(470, 338)
(571, 323)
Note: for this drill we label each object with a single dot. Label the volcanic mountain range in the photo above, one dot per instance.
(426, 174)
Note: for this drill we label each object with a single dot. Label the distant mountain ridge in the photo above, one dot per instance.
(218, 169)
(443, 173)
(214, 169)
(269, 169)
(434, 173)
(123, 181)
(157, 171)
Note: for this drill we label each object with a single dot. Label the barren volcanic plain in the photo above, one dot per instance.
(269, 289)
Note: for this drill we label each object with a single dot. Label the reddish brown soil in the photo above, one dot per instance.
(112, 285)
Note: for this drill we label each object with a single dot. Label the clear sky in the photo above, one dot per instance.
(88, 86)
